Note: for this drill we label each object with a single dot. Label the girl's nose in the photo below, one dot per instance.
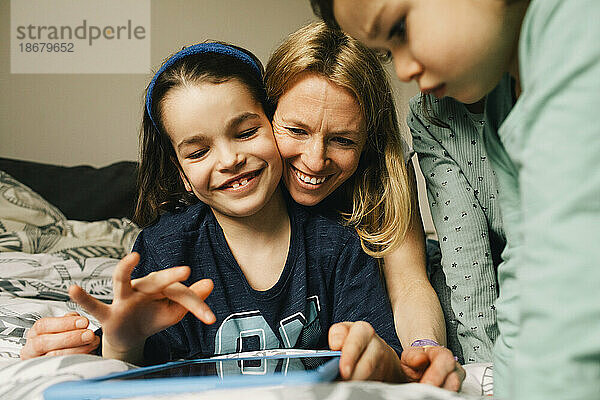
(314, 155)
(406, 66)
(230, 158)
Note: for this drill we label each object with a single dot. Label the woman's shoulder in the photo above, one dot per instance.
(325, 230)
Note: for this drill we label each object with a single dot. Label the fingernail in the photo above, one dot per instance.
(87, 336)
(80, 323)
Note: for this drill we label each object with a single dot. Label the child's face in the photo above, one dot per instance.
(225, 146)
(457, 48)
(320, 133)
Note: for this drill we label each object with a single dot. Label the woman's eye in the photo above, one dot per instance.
(248, 133)
(297, 131)
(343, 141)
(198, 154)
(398, 30)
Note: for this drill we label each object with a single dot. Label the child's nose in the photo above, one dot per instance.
(406, 66)
(230, 158)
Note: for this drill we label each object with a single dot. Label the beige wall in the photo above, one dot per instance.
(73, 119)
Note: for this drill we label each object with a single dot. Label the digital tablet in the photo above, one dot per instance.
(221, 372)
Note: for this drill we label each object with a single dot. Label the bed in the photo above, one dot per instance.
(65, 225)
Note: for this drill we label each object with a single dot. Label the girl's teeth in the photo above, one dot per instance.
(243, 182)
(313, 180)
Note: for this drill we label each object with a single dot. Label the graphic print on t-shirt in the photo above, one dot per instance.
(249, 331)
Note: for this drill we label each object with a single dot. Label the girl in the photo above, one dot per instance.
(206, 136)
(537, 63)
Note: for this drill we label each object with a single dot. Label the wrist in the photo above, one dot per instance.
(133, 354)
(424, 343)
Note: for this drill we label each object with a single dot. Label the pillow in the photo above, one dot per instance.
(82, 193)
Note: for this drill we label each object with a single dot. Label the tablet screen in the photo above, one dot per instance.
(233, 367)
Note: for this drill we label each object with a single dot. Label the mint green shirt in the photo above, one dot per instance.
(546, 155)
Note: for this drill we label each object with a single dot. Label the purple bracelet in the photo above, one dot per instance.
(424, 342)
(427, 343)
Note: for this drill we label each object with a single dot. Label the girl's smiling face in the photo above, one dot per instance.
(320, 133)
(457, 48)
(224, 145)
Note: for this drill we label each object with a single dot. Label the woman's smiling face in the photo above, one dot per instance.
(321, 134)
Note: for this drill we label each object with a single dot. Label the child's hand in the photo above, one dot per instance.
(53, 336)
(365, 356)
(433, 365)
(144, 306)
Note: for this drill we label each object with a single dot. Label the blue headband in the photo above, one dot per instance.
(199, 49)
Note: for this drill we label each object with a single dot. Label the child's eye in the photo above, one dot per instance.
(197, 154)
(248, 133)
(398, 30)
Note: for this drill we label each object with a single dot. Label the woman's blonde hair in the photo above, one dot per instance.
(379, 190)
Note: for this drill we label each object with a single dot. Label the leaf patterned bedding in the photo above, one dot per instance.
(42, 254)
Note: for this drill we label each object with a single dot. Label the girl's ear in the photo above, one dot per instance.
(184, 179)
(186, 182)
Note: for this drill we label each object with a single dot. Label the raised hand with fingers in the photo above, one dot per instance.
(53, 336)
(144, 306)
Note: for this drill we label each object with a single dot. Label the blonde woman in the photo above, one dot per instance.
(336, 128)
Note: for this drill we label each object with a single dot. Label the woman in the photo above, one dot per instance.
(334, 120)
(537, 63)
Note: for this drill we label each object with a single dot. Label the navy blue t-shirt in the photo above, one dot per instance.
(327, 278)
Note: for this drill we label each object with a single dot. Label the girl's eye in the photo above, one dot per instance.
(198, 154)
(248, 133)
(398, 30)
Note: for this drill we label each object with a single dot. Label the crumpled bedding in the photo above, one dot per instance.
(42, 254)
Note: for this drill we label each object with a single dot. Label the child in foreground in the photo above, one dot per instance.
(278, 277)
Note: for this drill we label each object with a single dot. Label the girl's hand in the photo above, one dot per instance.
(365, 356)
(144, 306)
(54, 336)
(434, 365)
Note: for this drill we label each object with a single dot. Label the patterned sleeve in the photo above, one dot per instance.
(455, 198)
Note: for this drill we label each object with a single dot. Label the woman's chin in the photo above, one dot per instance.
(306, 199)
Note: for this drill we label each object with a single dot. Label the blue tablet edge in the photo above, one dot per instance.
(105, 387)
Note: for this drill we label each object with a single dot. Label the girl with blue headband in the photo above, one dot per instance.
(225, 242)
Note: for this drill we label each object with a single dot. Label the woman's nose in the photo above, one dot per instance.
(314, 155)
(406, 66)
